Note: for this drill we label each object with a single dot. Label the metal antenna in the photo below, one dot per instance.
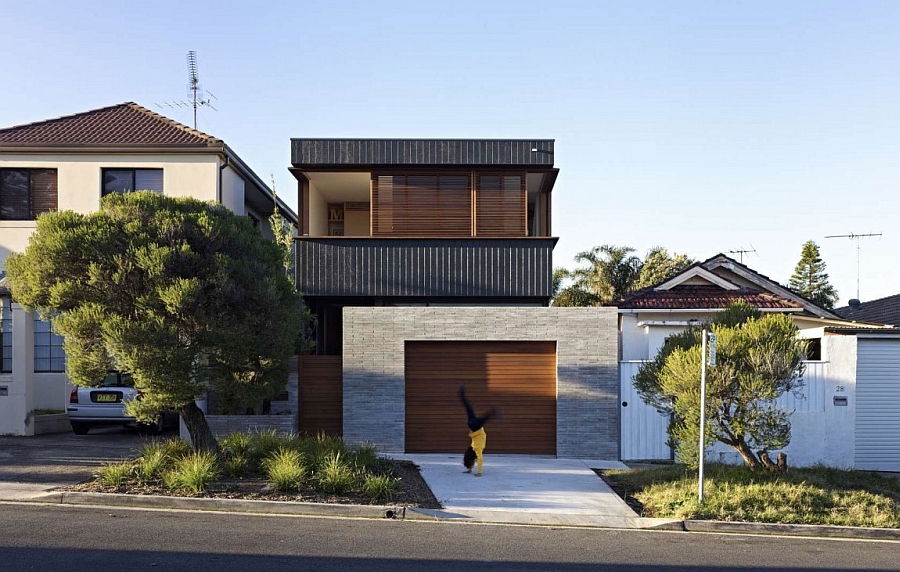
(856, 237)
(741, 252)
(196, 95)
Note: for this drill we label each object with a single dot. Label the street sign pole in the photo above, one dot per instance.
(702, 415)
(709, 339)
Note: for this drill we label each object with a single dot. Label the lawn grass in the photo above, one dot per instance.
(816, 495)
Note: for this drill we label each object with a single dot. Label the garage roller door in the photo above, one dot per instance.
(518, 377)
(878, 405)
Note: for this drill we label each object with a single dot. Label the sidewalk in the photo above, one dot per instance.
(515, 489)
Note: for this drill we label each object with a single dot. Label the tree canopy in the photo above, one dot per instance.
(610, 272)
(759, 358)
(184, 295)
(810, 279)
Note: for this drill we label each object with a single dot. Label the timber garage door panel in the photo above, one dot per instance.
(517, 377)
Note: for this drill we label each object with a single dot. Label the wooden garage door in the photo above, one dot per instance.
(518, 377)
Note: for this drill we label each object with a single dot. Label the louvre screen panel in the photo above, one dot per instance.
(502, 206)
(421, 205)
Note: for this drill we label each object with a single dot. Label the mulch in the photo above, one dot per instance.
(623, 490)
(411, 491)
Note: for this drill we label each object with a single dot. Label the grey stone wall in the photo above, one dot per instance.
(587, 368)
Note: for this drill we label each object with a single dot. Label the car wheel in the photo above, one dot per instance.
(80, 427)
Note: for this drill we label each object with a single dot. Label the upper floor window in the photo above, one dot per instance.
(48, 348)
(6, 333)
(26, 193)
(128, 180)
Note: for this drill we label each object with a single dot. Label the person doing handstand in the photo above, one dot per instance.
(476, 432)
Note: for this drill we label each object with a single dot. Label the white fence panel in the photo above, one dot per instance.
(643, 427)
(811, 398)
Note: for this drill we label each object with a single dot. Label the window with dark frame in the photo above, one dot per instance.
(26, 193)
(49, 356)
(6, 333)
(129, 180)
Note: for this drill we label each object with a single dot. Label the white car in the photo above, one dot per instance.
(105, 405)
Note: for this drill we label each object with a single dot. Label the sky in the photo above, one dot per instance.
(699, 126)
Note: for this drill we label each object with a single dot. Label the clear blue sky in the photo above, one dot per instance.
(703, 127)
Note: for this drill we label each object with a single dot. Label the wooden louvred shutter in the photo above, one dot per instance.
(502, 206)
(421, 205)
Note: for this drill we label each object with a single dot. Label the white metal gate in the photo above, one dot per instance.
(877, 443)
(643, 427)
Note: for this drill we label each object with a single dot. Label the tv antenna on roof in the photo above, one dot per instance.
(855, 237)
(196, 96)
(741, 252)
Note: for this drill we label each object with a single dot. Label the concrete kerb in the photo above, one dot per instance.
(470, 517)
(218, 505)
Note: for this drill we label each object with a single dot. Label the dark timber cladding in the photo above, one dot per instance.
(321, 395)
(512, 268)
(374, 152)
(517, 377)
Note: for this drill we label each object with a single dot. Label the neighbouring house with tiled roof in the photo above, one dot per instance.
(882, 311)
(69, 163)
(848, 414)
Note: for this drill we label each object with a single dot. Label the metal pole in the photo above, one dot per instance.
(702, 416)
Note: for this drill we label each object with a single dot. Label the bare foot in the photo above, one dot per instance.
(477, 474)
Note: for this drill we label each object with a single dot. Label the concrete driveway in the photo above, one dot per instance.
(30, 466)
(525, 489)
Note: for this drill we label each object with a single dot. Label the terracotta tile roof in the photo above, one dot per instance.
(123, 125)
(881, 311)
(698, 297)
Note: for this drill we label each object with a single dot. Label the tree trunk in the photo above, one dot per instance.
(747, 454)
(202, 437)
(781, 465)
(766, 460)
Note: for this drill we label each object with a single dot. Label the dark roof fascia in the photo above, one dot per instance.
(335, 153)
(875, 331)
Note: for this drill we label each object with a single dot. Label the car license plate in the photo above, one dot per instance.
(106, 397)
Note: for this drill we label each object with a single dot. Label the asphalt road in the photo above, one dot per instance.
(56, 537)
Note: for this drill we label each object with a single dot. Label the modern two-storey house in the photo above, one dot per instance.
(428, 265)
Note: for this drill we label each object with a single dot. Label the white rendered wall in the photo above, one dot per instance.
(233, 191)
(318, 212)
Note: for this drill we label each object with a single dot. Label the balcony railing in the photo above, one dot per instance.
(519, 268)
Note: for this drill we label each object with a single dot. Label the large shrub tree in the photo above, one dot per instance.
(810, 279)
(759, 358)
(185, 295)
(607, 273)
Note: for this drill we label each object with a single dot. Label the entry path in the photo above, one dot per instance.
(526, 489)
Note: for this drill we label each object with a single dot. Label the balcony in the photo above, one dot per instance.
(517, 269)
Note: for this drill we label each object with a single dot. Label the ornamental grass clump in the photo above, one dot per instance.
(193, 472)
(317, 450)
(117, 473)
(285, 469)
(157, 457)
(336, 475)
(380, 487)
(366, 459)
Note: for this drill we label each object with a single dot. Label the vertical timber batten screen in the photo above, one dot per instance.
(321, 395)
